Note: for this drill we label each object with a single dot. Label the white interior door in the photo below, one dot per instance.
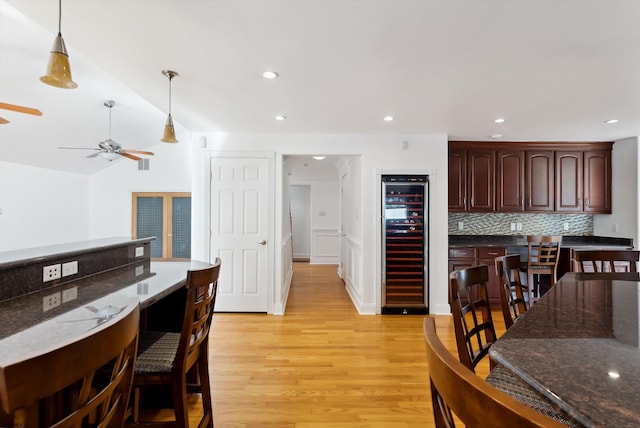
(239, 232)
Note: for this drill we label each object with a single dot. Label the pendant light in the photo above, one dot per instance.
(169, 135)
(58, 69)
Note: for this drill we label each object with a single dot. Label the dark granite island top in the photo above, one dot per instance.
(579, 346)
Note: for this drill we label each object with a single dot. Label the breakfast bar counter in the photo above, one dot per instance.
(26, 328)
(579, 346)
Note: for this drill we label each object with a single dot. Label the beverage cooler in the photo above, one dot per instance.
(405, 281)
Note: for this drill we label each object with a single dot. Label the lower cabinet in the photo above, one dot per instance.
(461, 258)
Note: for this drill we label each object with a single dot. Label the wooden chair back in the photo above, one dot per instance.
(202, 286)
(606, 260)
(472, 320)
(456, 390)
(181, 360)
(67, 381)
(512, 291)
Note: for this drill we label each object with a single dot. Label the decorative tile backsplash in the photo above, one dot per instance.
(532, 224)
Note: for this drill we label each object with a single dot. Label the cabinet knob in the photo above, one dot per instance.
(263, 242)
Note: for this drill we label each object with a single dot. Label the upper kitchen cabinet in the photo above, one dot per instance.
(583, 181)
(539, 180)
(471, 180)
(480, 179)
(597, 181)
(510, 175)
(530, 177)
(457, 180)
(569, 181)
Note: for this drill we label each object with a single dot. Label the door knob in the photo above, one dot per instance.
(263, 242)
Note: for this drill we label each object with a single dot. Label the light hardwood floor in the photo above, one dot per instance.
(322, 364)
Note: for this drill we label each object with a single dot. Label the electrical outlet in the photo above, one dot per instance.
(70, 268)
(51, 301)
(49, 273)
(513, 226)
(460, 225)
(69, 294)
(566, 226)
(139, 251)
(519, 226)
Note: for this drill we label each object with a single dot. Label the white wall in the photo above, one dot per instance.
(41, 207)
(110, 191)
(379, 154)
(623, 222)
(325, 216)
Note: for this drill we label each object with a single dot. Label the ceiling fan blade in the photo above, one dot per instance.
(79, 148)
(93, 155)
(21, 109)
(3, 121)
(127, 155)
(139, 152)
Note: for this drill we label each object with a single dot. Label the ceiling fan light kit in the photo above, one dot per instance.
(58, 69)
(169, 135)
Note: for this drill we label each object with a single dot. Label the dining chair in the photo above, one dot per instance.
(512, 291)
(455, 390)
(472, 319)
(180, 361)
(542, 259)
(606, 260)
(64, 387)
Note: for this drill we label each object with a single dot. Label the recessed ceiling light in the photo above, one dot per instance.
(496, 136)
(613, 374)
(612, 121)
(499, 120)
(281, 117)
(319, 157)
(270, 75)
(388, 118)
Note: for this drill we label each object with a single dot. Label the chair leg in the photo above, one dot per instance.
(180, 404)
(205, 387)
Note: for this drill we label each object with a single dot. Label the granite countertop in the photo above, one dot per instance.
(10, 259)
(579, 347)
(568, 241)
(26, 327)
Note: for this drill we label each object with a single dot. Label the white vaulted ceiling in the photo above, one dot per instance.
(554, 69)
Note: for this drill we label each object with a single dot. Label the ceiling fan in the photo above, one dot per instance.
(19, 109)
(108, 148)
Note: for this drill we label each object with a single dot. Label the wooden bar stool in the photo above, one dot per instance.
(542, 259)
(606, 260)
(512, 291)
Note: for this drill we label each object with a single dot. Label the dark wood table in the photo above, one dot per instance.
(579, 346)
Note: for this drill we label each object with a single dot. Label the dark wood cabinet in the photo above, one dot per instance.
(569, 181)
(480, 187)
(530, 177)
(457, 180)
(597, 181)
(462, 258)
(510, 174)
(539, 180)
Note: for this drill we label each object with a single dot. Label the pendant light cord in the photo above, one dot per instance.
(59, 17)
(110, 107)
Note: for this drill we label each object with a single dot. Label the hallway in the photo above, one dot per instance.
(319, 365)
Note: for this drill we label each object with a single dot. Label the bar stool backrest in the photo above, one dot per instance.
(65, 387)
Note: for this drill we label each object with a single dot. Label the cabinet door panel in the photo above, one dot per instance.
(481, 180)
(457, 180)
(510, 181)
(569, 181)
(539, 181)
(597, 181)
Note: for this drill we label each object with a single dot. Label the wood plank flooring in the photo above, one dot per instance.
(322, 364)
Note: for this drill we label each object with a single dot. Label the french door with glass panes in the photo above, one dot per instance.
(167, 216)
